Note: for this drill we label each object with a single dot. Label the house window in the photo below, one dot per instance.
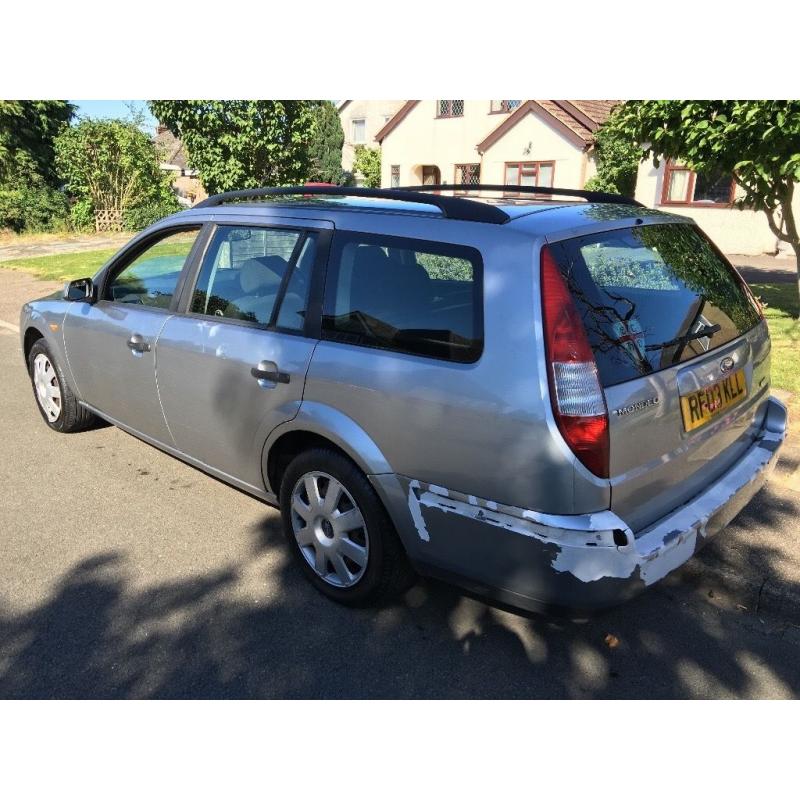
(450, 108)
(529, 173)
(503, 106)
(683, 186)
(467, 175)
(395, 176)
(359, 131)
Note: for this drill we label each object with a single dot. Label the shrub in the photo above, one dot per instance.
(139, 217)
(368, 162)
(81, 215)
(32, 209)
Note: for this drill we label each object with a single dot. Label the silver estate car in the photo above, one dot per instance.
(554, 402)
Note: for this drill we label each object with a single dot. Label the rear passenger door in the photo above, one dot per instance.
(231, 366)
(402, 336)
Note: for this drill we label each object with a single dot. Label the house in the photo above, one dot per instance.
(550, 143)
(515, 142)
(361, 120)
(185, 182)
(709, 200)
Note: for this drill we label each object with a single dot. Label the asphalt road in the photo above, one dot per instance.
(126, 573)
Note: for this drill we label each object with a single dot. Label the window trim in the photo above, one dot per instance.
(449, 114)
(132, 251)
(353, 130)
(464, 188)
(311, 329)
(343, 237)
(669, 168)
(520, 165)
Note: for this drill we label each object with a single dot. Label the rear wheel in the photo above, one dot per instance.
(340, 532)
(57, 404)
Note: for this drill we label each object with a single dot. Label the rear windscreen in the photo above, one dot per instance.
(653, 296)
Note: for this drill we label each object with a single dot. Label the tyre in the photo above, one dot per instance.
(57, 404)
(340, 532)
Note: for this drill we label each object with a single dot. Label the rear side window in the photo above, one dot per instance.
(653, 296)
(407, 295)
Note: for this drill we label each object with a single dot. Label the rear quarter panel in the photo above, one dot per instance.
(481, 429)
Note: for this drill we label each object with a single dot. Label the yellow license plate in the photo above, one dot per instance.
(702, 406)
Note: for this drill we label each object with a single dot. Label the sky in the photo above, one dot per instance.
(115, 109)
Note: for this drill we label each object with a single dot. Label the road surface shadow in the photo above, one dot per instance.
(99, 637)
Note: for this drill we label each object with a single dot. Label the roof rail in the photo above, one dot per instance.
(592, 197)
(451, 207)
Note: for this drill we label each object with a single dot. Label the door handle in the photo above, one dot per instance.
(138, 344)
(268, 371)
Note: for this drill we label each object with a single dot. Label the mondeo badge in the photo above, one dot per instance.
(637, 406)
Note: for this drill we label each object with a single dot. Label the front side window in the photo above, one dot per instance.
(450, 108)
(152, 277)
(359, 131)
(653, 296)
(406, 295)
(683, 186)
(529, 173)
(246, 271)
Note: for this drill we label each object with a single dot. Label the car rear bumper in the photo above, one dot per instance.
(590, 561)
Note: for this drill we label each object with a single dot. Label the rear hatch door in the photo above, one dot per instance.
(683, 357)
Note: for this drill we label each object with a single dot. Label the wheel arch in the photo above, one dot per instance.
(31, 336)
(319, 425)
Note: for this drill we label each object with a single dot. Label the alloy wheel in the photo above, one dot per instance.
(329, 529)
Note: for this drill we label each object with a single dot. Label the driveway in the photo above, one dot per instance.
(126, 573)
(766, 269)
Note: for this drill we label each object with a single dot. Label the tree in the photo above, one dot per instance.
(756, 141)
(617, 157)
(325, 150)
(28, 129)
(113, 164)
(243, 144)
(368, 162)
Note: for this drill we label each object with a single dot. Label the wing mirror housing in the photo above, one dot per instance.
(80, 290)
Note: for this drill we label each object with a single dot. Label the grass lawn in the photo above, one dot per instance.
(784, 330)
(68, 266)
(62, 266)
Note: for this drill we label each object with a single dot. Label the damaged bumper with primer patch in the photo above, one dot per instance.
(533, 560)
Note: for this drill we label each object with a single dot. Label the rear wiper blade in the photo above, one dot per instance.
(706, 332)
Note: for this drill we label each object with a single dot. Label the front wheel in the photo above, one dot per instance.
(57, 404)
(340, 532)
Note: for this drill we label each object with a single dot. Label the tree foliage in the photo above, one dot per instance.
(113, 164)
(756, 141)
(242, 144)
(325, 149)
(368, 162)
(28, 129)
(617, 158)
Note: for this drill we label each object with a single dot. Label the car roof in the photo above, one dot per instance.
(537, 217)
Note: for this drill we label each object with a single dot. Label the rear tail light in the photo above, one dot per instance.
(579, 406)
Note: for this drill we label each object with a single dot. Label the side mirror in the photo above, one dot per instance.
(79, 290)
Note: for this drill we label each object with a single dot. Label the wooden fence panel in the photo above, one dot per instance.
(107, 220)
